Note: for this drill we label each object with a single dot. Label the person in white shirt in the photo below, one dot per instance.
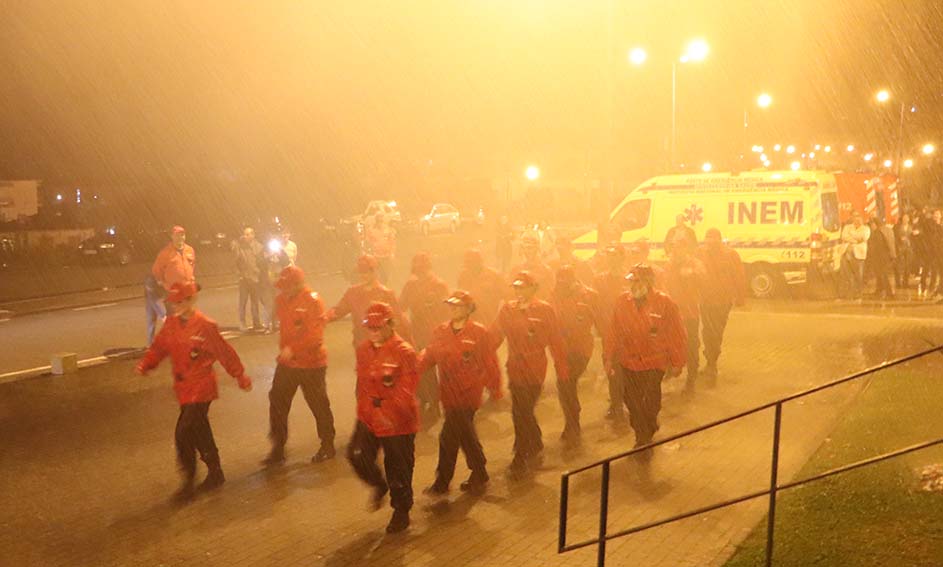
(856, 236)
(290, 248)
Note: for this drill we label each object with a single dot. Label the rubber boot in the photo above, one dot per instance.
(214, 478)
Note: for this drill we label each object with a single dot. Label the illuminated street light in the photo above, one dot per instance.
(777, 147)
(790, 149)
(707, 167)
(908, 163)
(850, 148)
(818, 147)
(764, 100)
(58, 197)
(928, 149)
(811, 154)
(868, 157)
(697, 51)
(888, 163)
(767, 163)
(637, 56)
(883, 95)
(828, 149)
(795, 166)
(532, 172)
(763, 157)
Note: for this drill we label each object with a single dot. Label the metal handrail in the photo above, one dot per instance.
(774, 487)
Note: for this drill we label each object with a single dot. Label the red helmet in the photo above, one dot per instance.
(524, 279)
(182, 291)
(290, 277)
(378, 315)
(461, 297)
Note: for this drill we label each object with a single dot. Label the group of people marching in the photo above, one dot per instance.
(434, 347)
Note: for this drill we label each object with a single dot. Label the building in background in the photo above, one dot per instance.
(18, 200)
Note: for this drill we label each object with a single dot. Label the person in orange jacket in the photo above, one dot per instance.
(302, 362)
(530, 326)
(359, 297)
(725, 285)
(533, 264)
(647, 342)
(577, 308)
(423, 297)
(610, 284)
(565, 257)
(387, 414)
(465, 355)
(684, 279)
(484, 283)
(175, 262)
(193, 343)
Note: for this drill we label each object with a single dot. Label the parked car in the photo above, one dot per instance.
(106, 247)
(442, 217)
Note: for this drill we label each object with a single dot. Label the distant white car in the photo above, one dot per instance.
(442, 217)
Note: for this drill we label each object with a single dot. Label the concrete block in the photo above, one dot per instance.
(64, 363)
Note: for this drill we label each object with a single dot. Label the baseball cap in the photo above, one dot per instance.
(181, 291)
(524, 279)
(461, 297)
(378, 315)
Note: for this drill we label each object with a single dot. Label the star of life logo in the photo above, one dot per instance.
(694, 214)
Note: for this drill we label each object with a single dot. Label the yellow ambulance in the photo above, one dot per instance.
(784, 224)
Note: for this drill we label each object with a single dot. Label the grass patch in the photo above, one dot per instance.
(876, 515)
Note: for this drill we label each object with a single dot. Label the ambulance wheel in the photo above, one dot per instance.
(765, 281)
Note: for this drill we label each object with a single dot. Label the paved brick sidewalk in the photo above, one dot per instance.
(87, 464)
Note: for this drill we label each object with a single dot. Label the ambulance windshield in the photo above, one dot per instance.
(830, 218)
(633, 215)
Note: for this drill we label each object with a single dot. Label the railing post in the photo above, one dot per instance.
(603, 516)
(564, 498)
(773, 483)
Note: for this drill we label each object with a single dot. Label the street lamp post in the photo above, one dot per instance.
(763, 101)
(883, 96)
(696, 51)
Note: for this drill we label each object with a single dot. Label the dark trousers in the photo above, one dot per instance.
(568, 393)
(714, 319)
(399, 457)
(643, 399)
(882, 278)
(314, 388)
(903, 267)
(458, 431)
(693, 328)
(527, 435)
(428, 390)
(249, 291)
(194, 435)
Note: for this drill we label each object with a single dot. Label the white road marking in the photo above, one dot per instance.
(39, 370)
(90, 307)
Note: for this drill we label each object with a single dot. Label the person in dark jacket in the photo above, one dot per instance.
(903, 237)
(881, 257)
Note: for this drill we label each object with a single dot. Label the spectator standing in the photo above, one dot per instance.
(680, 232)
(882, 256)
(291, 249)
(855, 235)
(903, 240)
(176, 262)
(247, 251)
